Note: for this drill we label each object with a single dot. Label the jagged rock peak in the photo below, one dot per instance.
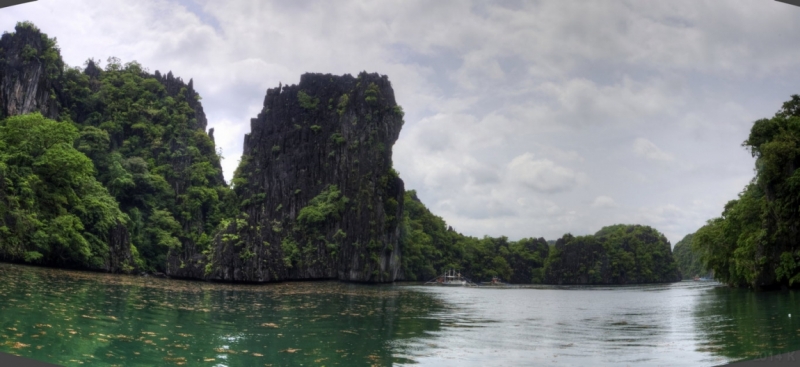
(174, 86)
(30, 68)
(318, 195)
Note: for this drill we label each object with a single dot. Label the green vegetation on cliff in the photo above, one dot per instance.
(430, 247)
(755, 241)
(52, 209)
(140, 137)
(688, 260)
(618, 254)
(151, 153)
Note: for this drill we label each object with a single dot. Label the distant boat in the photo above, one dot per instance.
(495, 281)
(450, 278)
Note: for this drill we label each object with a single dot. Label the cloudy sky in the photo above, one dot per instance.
(523, 118)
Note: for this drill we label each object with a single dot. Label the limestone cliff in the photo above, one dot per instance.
(30, 67)
(318, 194)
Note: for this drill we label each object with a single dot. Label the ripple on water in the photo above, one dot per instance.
(72, 317)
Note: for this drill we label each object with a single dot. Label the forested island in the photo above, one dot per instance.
(112, 169)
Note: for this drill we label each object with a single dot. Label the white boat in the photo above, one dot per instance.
(495, 281)
(450, 278)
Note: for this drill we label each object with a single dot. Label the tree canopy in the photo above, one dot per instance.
(52, 209)
(754, 243)
(688, 260)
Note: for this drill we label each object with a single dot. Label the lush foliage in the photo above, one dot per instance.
(614, 255)
(617, 254)
(52, 209)
(430, 247)
(150, 153)
(306, 101)
(755, 241)
(130, 150)
(328, 204)
(688, 260)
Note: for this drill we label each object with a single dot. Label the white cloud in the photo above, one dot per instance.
(582, 102)
(604, 202)
(645, 148)
(542, 175)
(558, 154)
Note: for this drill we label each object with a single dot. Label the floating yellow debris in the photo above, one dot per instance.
(257, 355)
(223, 350)
(289, 350)
(269, 324)
(18, 345)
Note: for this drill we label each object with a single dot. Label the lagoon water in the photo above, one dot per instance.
(78, 318)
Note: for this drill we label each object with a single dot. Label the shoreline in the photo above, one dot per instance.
(146, 276)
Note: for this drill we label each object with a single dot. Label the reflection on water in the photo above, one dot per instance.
(76, 318)
(575, 326)
(71, 318)
(740, 324)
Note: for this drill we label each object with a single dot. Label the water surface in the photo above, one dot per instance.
(79, 318)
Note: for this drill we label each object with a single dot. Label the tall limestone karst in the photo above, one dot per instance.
(316, 189)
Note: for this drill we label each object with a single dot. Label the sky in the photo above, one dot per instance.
(523, 118)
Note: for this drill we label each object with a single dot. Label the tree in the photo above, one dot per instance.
(52, 209)
(755, 241)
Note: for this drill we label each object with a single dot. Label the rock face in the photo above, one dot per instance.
(316, 186)
(119, 249)
(29, 72)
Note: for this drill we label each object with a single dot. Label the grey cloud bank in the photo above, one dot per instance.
(522, 118)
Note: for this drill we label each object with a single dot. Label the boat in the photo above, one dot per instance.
(495, 281)
(450, 278)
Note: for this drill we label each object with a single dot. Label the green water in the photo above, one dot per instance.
(77, 318)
